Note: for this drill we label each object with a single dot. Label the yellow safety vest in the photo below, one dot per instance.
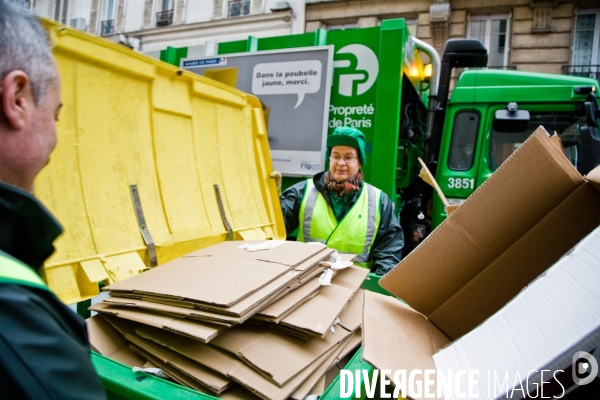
(14, 271)
(356, 231)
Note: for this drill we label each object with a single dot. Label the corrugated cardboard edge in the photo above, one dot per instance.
(258, 385)
(210, 378)
(396, 337)
(385, 280)
(107, 340)
(306, 387)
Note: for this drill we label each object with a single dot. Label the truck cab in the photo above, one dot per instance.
(474, 144)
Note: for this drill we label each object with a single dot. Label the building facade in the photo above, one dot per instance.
(150, 26)
(556, 36)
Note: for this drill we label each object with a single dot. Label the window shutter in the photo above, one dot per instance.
(256, 7)
(218, 9)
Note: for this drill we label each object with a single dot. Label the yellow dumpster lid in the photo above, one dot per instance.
(148, 156)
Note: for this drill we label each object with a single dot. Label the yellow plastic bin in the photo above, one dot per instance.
(133, 127)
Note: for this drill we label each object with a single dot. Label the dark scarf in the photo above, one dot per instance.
(344, 188)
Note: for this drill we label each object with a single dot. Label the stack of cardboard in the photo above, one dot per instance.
(236, 323)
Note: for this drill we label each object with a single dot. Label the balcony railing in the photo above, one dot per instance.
(588, 71)
(164, 18)
(238, 8)
(107, 27)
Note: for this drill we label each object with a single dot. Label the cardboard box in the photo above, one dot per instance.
(566, 319)
(522, 220)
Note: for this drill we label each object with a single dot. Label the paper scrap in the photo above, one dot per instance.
(335, 257)
(337, 265)
(268, 245)
(325, 278)
(154, 371)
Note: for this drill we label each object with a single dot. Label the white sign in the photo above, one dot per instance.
(295, 77)
(294, 84)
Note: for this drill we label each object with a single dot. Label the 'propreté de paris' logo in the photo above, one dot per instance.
(357, 81)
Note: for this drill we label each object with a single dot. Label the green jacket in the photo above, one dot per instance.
(44, 348)
(386, 251)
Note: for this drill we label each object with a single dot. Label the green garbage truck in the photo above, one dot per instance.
(380, 85)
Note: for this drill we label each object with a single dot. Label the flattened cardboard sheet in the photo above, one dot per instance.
(265, 389)
(351, 317)
(317, 316)
(211, 379)
(277, 356)
(396, 337)
(222, 281)
(181, 312)
(210, 356)
(307, 386)
(195, 329)
(109, 342)
(290, 254)
(290, 301)
(353, 343)
(273, 291)
(308, 264)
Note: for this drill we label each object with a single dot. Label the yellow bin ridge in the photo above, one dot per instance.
(128, 119)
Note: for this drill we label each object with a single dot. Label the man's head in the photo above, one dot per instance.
(346, 152)
(29, 97)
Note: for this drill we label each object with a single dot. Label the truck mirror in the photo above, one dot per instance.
(511, 120)
(590, 149)
(592, 113)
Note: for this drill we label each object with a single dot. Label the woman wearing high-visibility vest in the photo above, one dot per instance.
(337, 208)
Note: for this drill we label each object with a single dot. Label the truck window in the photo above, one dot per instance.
(464, 138)
(566, 125)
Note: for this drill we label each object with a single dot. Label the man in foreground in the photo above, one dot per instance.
(44, 348)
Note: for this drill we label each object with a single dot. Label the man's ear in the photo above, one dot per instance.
(17, 98)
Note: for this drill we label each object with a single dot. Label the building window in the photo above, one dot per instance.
(238, 8)
(464, 139)
(585, 59)
(493, 31)
(107, 26)
(164, 14)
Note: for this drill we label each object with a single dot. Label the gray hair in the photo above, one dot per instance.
(25, 46)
